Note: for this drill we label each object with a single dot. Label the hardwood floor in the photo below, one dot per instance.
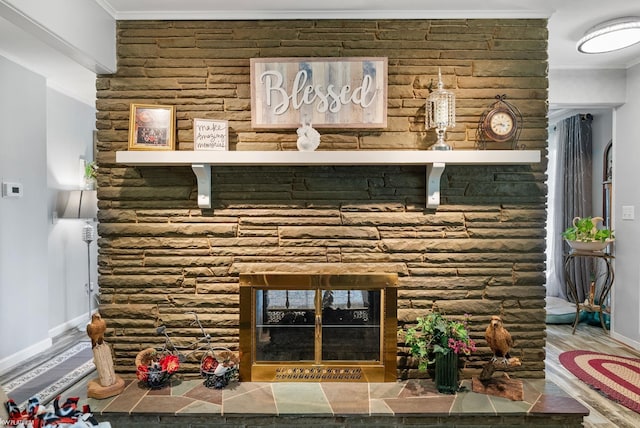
(603, 412)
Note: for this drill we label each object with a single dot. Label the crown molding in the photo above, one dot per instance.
(257, 14)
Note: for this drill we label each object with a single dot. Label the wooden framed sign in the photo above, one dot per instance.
(209, 134)
(323, 92)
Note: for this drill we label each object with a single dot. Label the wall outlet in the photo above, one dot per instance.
(628, 212)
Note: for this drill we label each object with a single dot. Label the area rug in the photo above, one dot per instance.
(51, 378)
(618, 378)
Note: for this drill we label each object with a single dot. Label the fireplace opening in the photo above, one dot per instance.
(318, 327)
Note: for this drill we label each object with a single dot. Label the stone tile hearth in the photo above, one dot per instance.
(188, 401)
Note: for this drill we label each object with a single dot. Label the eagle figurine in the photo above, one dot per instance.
(499, 340)
(96, 329)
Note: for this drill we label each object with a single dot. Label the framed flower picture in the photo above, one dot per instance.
(152, 127)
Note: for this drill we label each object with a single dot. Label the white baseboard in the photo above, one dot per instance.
(79, 322)
(14, 360)
(23, 355)
(622, 339)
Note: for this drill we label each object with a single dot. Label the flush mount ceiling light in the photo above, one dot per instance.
(611, 35)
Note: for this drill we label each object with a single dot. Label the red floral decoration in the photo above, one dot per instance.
(170, 363)
(209, 364)
(158, 371)
(142, 373)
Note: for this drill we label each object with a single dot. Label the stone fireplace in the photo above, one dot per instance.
(480, 252)
(305, 327)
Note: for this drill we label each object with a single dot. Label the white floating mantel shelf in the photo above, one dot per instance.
(435, 161)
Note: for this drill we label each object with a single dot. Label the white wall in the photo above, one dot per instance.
(43, 133)
(70, 126)
(580, 88)
(24, 293)
(43, 262)
(626, 154)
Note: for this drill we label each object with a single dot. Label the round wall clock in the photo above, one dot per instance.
(500, 123)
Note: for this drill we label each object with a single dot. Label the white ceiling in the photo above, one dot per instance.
(568, 20)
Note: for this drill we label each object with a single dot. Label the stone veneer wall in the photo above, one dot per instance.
(481, 252)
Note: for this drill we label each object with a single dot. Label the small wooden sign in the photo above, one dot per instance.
(323, 92)
(209, 134)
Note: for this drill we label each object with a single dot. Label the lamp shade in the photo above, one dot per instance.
(611, 35)
(80, 204)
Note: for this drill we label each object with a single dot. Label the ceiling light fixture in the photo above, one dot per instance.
(611, 35)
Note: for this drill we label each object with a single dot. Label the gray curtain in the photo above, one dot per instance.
(575, 138)
(555, 201)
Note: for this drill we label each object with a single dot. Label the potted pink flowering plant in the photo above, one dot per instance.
(437, 339)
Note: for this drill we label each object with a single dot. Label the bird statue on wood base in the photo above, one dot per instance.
(96, 329)
(499, 340)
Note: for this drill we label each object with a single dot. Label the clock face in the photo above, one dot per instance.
(500, 125)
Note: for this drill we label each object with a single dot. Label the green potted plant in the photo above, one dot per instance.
(90, 174)
(438, 340)
(584, 235)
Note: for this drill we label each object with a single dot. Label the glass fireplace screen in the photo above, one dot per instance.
(318, 327)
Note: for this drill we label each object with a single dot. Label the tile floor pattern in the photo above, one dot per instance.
(412, 397)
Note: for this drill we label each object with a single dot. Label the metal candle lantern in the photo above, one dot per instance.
(440, 113)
